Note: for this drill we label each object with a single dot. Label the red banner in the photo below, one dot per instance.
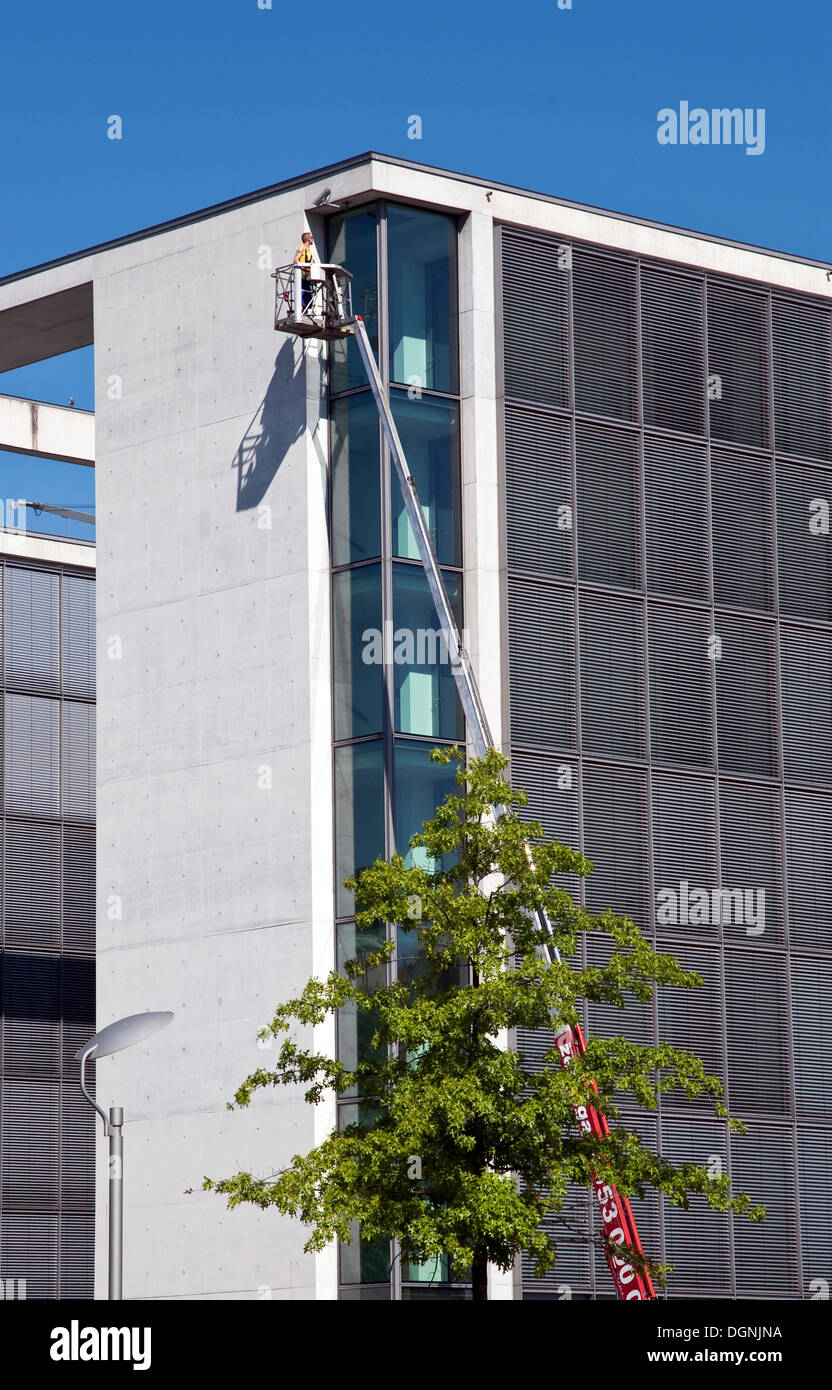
(615, 1211)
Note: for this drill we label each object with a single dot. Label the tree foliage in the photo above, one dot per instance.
(462, 1148)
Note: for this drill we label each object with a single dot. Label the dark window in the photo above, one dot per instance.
(356, 517)
(421, 256)
(358, 651)
(429, 431)
(352, 244)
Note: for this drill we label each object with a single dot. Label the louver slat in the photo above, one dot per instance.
(681, 687)
(676, 501)
(756, 991)
(78, 1138)
(635, 1021)
(693, 1019)
(751, 845)
(540, 506)
(78, 761)
(814, 1162)
(738, 364)
(79, 889)
(29, 1250)
(809, 857)
(604, 311)
(746, 696)
(743, 530)
(613, 677)
(542, 662)
(31, 756)
(609, 512)
(684, 850)
(78, 635)
(617, 839)
(32, 885)
(673, 351)
(77, 1256)
(804, 551)
(762, 1164)
(535, 318)
(697, 1242)
(806, 673)
(30, 1143)
(31, 629)
(552, 789)
(802, 346)
(812, 1011)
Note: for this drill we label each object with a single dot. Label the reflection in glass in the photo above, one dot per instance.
(421, 255)
(356, 621)
(352, 244)
(356, 520)
(357, 1026)
(362, 1263)
(420, 787)
(426, 701)
(359, 814)
(429, 430)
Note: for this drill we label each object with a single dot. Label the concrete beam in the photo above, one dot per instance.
(47, 431)
(41, 328)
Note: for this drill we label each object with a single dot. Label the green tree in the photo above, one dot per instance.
(462, 1148)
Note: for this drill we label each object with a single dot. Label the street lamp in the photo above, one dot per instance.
(115, 1038)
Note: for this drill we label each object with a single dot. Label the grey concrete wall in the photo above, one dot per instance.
(214, 759)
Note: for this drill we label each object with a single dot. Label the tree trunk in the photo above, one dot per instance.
(479, 1276)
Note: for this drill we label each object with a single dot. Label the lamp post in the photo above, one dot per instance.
(115, 1038)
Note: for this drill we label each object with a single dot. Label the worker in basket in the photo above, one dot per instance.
(306, 256)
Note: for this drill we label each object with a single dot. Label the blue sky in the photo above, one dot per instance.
(220, 97)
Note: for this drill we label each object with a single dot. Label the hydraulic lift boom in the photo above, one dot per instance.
(323, 309)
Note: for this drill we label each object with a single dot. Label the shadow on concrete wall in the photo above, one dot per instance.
(278, 422)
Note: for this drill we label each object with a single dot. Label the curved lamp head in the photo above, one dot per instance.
(124, 1033)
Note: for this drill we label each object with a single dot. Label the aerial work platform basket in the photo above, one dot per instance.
(317, 305)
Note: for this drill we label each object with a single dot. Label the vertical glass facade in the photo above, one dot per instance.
(394, 695)
(671, 645)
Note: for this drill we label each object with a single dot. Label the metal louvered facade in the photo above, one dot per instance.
(47, 929)
(668, 480)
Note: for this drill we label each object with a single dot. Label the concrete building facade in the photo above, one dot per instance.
(581, 393)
